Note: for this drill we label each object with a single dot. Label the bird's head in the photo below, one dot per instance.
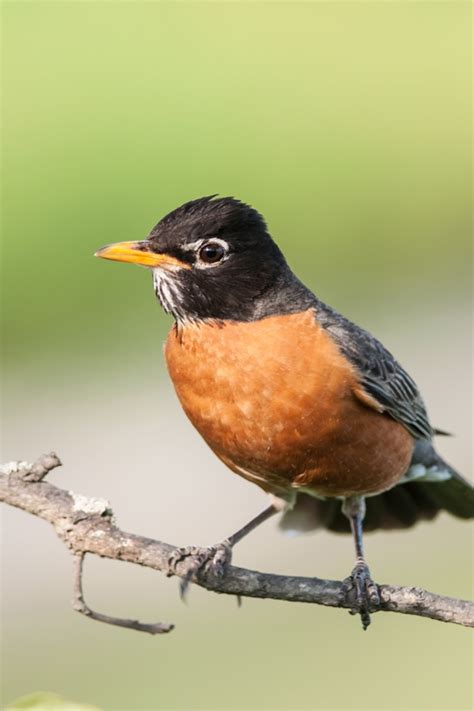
(211, 258)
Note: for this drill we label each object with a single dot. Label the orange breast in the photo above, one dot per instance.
(275, 400)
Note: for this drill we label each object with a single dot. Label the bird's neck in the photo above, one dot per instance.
(284, 295)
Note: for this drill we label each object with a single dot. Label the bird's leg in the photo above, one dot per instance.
(216, 557)
(366, 591)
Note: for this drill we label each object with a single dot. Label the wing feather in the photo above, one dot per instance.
(381, 376)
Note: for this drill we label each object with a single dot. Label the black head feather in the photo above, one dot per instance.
(253, 279)
(213, 215)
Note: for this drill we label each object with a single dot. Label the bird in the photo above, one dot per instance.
(288, 393)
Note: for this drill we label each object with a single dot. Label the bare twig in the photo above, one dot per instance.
(80, 605)
(43, 465)
(87, 526)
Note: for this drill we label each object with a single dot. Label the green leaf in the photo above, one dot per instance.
(47, 701)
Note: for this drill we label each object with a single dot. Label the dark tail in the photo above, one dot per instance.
(400, 507)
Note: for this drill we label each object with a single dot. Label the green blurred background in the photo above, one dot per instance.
(347, 124)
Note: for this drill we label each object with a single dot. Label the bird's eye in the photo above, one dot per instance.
(211, 253)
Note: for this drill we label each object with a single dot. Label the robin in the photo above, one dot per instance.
(288, 393)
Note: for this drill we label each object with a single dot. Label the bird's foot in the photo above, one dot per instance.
(214, 559)
(362, 593)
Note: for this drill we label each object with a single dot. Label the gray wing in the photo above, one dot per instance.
(380, 374)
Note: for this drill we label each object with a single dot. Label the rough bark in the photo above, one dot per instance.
(87, 526)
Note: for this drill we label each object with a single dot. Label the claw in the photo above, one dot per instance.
(362, 592)
(213, 558)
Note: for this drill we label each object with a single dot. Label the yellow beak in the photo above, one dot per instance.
(140, 253)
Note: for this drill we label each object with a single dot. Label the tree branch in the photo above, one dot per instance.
(80, 605)
(87, 526)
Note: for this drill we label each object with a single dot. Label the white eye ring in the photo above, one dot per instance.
(222, 249)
